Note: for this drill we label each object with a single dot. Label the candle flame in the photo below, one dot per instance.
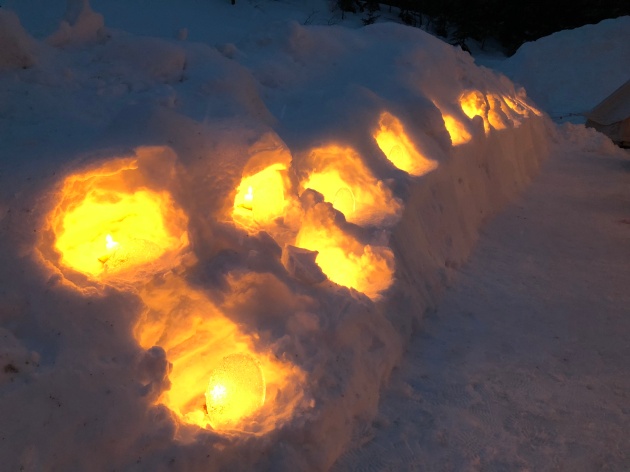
(271, 184)
(218, 392)
(249, 196)
(111, 244)
(236, 390)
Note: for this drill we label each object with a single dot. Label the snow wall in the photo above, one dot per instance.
(101, 357)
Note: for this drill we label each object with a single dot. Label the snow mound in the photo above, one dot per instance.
(280, 218)
(571, 71)
(589, 139)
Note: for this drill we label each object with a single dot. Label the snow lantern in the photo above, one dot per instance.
(260, 198)
(262, 195)
(345, 261)
(109, 222)
(474, 103)
(455, 128)
(497, 111)
(518, 105)
(499, 115)
(236, 389)
(217, 377)
(398, 147)
(340, 175)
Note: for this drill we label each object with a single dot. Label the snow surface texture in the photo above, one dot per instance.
(524, 365)
(601, 54)
(78, 390)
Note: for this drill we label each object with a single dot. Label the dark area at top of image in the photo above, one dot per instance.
(510, 23)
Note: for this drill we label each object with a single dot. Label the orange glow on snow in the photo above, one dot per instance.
(456, 130)
(342, 258)
(520, 107)
(343, 179)
(399, 149)
(474, 103)
(260, 198)
(103, 225)
(497, 111)
(499, 115)
(236, 390)
(218, 378)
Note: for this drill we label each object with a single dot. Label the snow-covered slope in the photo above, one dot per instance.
(275, 212)
(568, 73)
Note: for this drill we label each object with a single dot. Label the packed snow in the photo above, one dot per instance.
(598, 54)
(214, 198)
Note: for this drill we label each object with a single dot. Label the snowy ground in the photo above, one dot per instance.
(166, 116)
(525, 363)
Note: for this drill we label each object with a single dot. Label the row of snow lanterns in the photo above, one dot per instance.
(115, 230)
(344, 181)
(261, 195)
(106, 227)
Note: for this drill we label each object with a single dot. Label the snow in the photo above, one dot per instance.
(523, 366)
(209, 109)
(599, 52)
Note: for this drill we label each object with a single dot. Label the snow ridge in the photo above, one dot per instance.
(436, 146)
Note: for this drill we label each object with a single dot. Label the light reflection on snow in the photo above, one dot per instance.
(340, 175)
(344, 260)
(398, 147)
(260, 198)
(107, 223)
(212, 357)
(497, 111)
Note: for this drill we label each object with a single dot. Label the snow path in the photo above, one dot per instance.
(526, 363)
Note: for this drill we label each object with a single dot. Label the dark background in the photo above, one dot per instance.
(508, 22)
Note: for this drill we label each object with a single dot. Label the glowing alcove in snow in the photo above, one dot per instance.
(340, 175)
(107, 222)
(518, 105)
(344, 260)
(217, 378)
(236, 390)
(263, 196)
(474, 103)
(260, 198)
(455, 128)
(497, 111)
(399, 149)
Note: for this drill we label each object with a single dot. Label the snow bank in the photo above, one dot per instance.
(571, 71)
(328, 182)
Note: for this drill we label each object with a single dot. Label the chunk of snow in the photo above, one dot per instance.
(80, 24)
(300, 263)
(17, 48)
